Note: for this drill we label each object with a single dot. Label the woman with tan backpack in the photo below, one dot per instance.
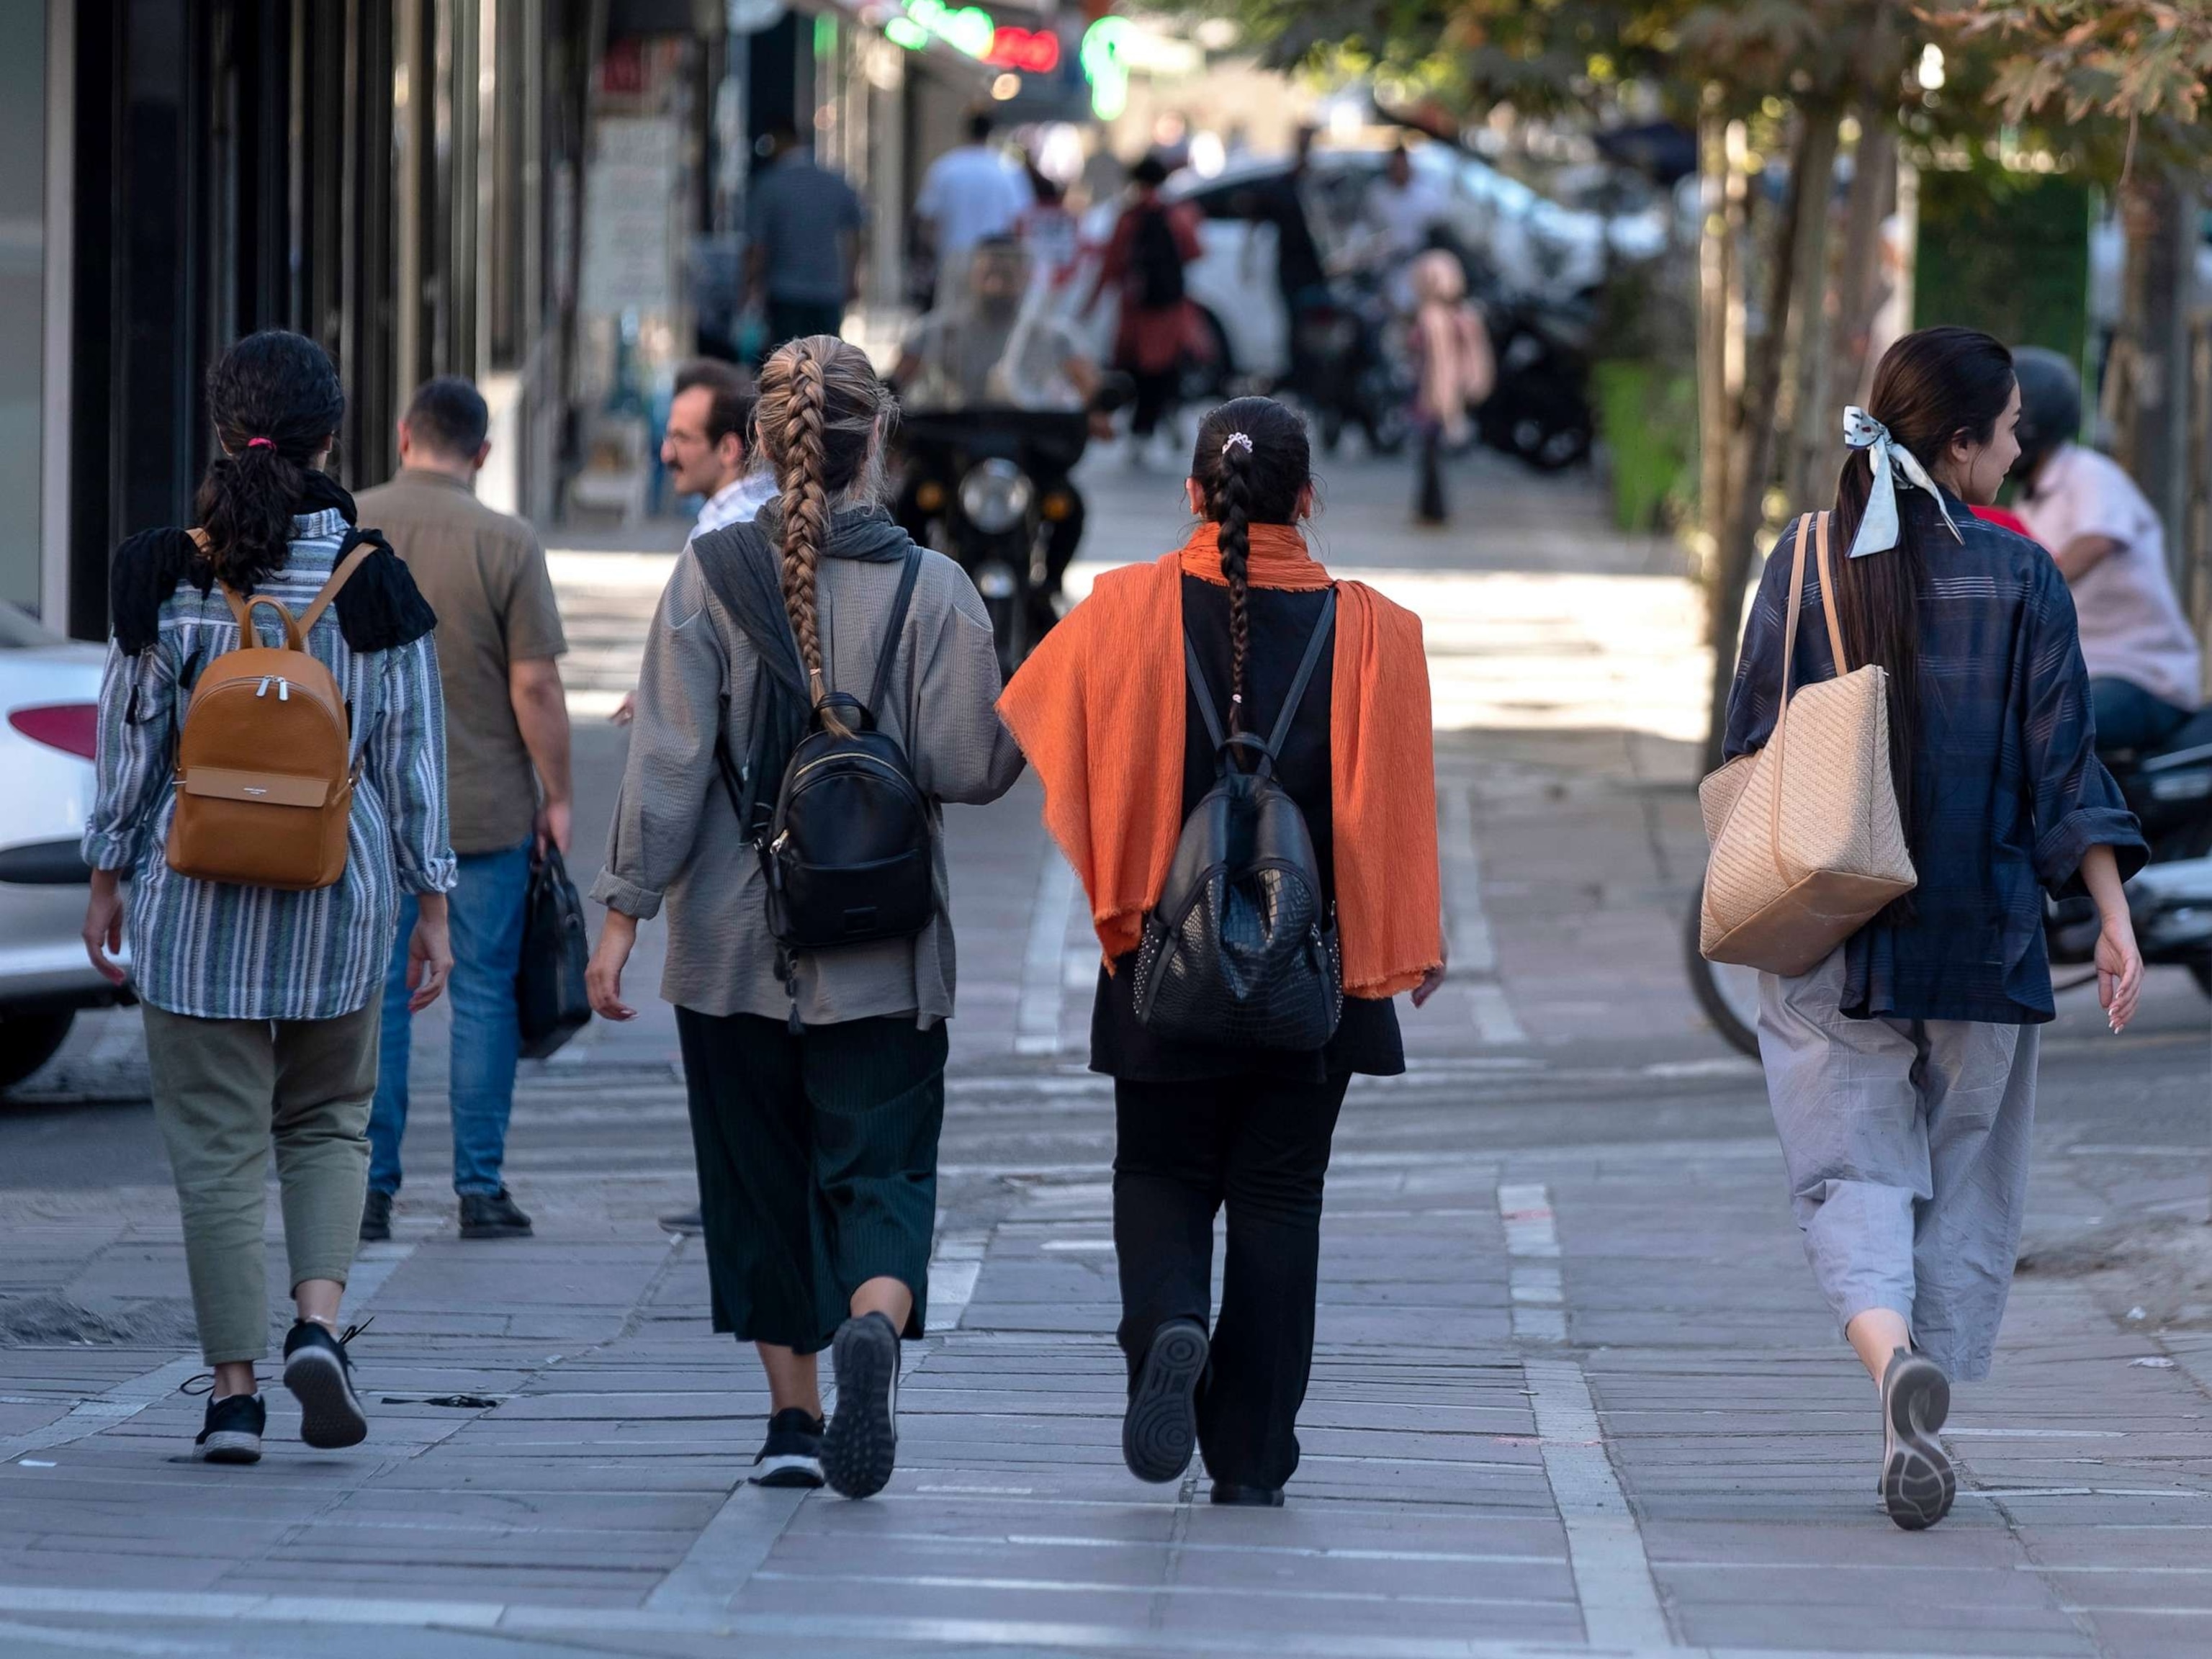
(1917, 669)
(272, 778)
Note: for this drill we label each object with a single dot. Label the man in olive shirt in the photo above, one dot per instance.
(506, 779)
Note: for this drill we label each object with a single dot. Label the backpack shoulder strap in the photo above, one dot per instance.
(1297, 694)
(900, 602)
(339, 577)
(1204, 692)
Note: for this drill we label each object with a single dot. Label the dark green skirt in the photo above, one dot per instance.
(817, 1166)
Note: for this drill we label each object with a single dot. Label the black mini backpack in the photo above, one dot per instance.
(1241, 949)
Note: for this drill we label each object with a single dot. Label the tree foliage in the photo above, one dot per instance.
(2128, 60)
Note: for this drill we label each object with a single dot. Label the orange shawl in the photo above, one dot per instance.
(1098, 710)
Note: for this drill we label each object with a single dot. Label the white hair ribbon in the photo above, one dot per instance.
(1877, 531)
(1237, 441)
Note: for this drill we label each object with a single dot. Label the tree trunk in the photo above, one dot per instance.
(1717, 286)
(2151, 413)
(1812, 169)
(1813, 425)
(1860, 290)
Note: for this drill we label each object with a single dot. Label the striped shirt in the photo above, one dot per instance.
(220, 951)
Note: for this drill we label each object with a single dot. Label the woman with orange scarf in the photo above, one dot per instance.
(1103, 711)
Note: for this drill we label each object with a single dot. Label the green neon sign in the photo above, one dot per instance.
(1105, 54)
(965, 28)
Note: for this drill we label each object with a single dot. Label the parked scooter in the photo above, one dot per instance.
(1539, 409)
(2169, 900)
(988, 486)
(1345, 367)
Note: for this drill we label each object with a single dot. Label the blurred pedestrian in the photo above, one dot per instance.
(1902, 1069)
(803, 225)
(506, 778)
(1107, 710)
(261, 1003)
(1159, 329)
(1454, 370)
(1049, 232)
(2144, 665)
(969, 192)
(815, 1077)
(1403, 211)
(1301, 277)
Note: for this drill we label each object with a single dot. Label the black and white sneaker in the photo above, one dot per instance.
(860, 1447)
(1159, 1431)
(319, 1373)
(792, 1454)
(232, 1433)
(1918, 1484)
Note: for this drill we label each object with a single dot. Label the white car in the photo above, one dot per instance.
(1535, 246)
(49, 699)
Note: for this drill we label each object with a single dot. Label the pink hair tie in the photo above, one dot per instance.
(261, 443)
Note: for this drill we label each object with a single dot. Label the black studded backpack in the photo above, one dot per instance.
(1241, 948)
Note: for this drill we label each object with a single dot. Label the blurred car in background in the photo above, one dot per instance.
(49, 717)
(1526, 243)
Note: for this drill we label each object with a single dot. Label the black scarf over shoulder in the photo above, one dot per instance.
(379, 608)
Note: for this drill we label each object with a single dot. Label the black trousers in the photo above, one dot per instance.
(794, 320)
(1259, 1146)
(817, 1166)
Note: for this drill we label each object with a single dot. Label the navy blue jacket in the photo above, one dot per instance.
(2010, 791)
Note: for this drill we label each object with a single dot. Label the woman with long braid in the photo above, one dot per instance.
(1104, 711)
(816, 1077)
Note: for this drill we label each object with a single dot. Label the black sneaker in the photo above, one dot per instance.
(792, 1455)
(232, 1433)
(1917, 1482)
(691, 1223)
(375, 1216)
(319, 1373)
(492, 1215)
(860, 1447)
(1159, 1431)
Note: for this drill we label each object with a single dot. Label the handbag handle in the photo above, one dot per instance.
(1814, 526)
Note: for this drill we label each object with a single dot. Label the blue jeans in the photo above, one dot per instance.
(486, 908)
(2128, 717)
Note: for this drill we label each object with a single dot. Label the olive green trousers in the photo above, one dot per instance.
(223, 1090)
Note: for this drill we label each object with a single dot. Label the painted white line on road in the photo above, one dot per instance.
(1612, 1575)
(1044, 973)
(1474, 952)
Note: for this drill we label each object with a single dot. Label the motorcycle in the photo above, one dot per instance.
(2169, 900)
(1539, 411)
(989, 487)
(1343, 367)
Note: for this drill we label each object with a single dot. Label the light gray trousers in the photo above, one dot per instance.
(1907, 1142)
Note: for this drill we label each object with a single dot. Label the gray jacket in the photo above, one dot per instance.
(676, 836)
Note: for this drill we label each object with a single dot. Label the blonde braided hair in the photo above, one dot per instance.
(820, 417)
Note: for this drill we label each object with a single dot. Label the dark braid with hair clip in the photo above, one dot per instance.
(1251, 463)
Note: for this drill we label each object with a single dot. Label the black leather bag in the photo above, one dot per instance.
(549, 982)
(848, 850)
(1241, 949)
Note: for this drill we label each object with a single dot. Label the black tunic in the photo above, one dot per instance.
(1367, 1039)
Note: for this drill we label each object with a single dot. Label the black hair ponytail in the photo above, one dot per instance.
(1252, 463)
(275, 402)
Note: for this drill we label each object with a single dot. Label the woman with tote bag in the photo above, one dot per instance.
(816, 1074)
(1901, 1064)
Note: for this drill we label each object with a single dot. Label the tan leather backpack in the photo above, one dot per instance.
(265, 767)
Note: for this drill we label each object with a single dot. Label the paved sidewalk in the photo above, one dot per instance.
(1574, 1391)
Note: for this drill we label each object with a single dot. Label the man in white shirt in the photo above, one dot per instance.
(1402, 210)
(2144, 667)
(968, 194)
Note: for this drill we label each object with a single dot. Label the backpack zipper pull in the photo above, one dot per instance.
(283, 690)
(262, 689)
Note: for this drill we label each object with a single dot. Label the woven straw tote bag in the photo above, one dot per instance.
(1807, 845)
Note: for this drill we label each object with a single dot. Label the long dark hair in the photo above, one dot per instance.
(1255, 480)
(275, 402)
(1933, 386)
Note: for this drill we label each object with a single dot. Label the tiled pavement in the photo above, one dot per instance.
(1574, 1392)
